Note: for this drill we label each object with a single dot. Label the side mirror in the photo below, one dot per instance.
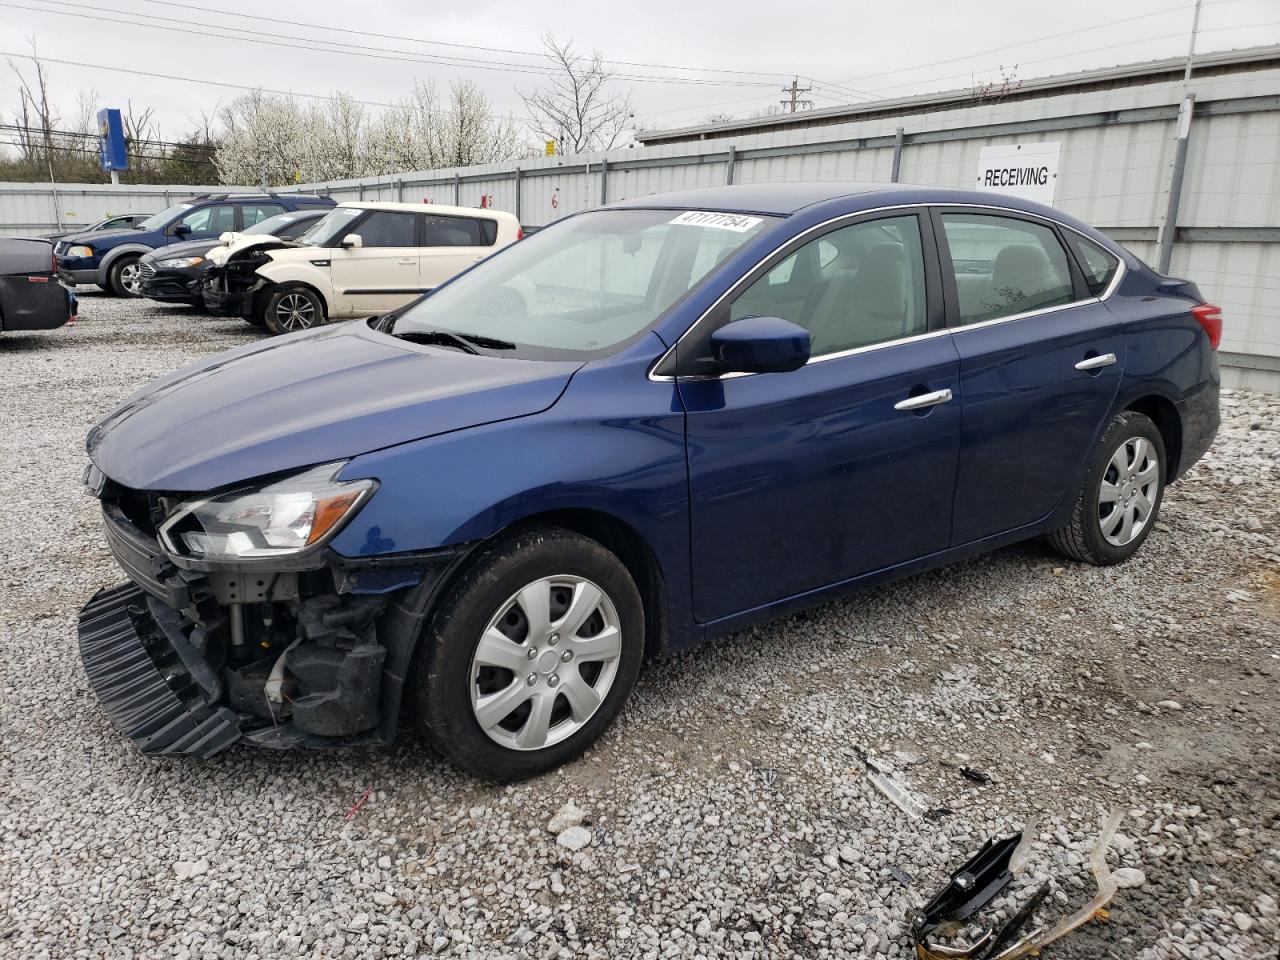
(227, 239)
(352, 241)
(760, 345)
(181, 230)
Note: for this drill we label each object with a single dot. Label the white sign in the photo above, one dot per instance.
(721, 221)
(1026, 170)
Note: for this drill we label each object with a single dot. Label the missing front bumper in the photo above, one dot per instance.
(142, 683)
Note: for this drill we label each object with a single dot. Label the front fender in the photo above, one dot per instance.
(292, 269)
(613, 444)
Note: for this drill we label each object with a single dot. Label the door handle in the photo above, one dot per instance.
(407, 261)
(1095, 363)
(924, 400)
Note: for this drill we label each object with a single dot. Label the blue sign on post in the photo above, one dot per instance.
(111, 147)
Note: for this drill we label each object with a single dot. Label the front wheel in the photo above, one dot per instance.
(124, 278)
(530, 655)
(1120, 500)
(290, 309)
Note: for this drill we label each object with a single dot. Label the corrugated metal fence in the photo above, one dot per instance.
(1117, 151)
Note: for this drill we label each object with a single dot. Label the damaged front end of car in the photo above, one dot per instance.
(230, 288)
(239, 623)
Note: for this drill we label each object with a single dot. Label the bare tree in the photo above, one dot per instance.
(579, 109)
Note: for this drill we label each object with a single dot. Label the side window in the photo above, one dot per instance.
(219, 218)
(453, 232)
(1099, 265)
(256, 212)
(296, 228)
(1005, 266)
(383, 228)
(853, 287)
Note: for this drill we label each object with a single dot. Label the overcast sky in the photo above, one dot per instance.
(846, 51)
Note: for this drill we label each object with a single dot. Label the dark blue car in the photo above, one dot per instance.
(642, 427)
(110, 258)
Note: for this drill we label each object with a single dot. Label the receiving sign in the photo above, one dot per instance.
(1026, 170)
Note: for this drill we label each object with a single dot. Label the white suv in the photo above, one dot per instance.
(361, 259)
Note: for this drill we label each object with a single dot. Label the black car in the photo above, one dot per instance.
(172, 274)
(31, 298)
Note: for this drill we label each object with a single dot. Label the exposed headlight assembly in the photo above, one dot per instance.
(178, 263)
(79, 251)
(281, 519)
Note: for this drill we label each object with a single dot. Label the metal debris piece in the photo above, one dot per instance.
(977, 776)
(970, 889)
(883, 779)
(982, 878)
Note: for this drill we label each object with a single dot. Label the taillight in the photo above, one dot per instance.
(53, 260)
(519, 233)
(1210, 317)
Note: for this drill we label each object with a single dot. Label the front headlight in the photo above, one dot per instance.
(280, 519)
(178, 263)
(79, 251)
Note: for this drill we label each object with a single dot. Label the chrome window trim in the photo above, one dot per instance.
(926, 206)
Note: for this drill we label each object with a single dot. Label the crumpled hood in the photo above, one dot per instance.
(245, 242)
(308, 398)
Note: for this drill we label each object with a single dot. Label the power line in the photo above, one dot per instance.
(971, 56)
(169, 76)
(463, 46)
(347, 49)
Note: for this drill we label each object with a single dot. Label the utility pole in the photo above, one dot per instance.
(1191, 52)
(794, 91)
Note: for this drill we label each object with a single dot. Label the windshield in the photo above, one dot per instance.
(588, 284)
(331, 225)
(272, 224)
(161, 219)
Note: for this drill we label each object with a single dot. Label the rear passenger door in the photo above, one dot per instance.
(1040, 363)
(451, 244)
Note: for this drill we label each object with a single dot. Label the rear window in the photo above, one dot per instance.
(442, 231)
(1099, 265)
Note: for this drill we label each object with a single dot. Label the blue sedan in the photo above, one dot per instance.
(645, 426)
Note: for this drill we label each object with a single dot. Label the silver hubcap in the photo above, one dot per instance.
(545, 663)
(295, 312)
(130, 279)
(1128, 492)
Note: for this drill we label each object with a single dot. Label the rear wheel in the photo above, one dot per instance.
(530, 655)
(290, 309)
(1120, 500)
(124, 278)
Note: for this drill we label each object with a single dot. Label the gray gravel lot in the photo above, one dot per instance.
(726, 811)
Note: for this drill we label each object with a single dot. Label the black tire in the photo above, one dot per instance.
(442, 683)
(304, 318)
(104, 287)
(117, 279)
(1083, 538)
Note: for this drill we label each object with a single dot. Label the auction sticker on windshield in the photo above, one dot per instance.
(721, 221)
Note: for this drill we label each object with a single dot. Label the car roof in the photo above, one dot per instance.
(426, 208)
(784, 199)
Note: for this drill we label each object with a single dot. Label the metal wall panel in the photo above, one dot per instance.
(1117, 152)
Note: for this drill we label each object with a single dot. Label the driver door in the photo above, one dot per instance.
(382, 273)
(805, 479)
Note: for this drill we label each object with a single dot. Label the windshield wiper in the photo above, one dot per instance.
(464, 341)
(439, 338)
(488, 343)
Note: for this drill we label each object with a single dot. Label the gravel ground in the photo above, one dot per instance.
(726, 813)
